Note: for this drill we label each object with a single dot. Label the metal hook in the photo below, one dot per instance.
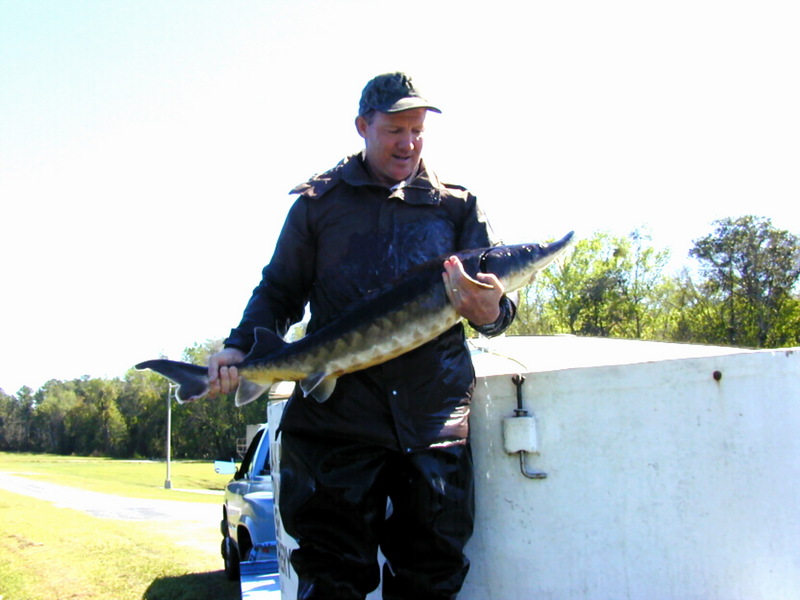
(518, 380)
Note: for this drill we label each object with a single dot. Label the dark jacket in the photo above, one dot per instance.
(344, 237)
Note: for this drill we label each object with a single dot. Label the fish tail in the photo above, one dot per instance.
(192, 380)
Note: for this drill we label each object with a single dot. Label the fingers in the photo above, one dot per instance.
(459, 279)
(490, 281)
(223, 376)
(226, 382)
(478, 299)
(228, 379)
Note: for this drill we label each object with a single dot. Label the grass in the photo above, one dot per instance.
(49, 552)
(135, 479)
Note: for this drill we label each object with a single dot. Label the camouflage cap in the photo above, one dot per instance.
(390, 93)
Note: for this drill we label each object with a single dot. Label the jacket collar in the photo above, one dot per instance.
(424, 188)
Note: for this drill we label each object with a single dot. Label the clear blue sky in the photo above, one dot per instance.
(147, 148)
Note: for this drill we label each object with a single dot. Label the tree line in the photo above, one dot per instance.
(123, 418)
(743, 293)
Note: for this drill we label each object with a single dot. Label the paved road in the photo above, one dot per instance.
(108, 506)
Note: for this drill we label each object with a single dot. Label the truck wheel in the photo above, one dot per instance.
(230, 555)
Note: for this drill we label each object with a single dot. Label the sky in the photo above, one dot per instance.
(147, 148)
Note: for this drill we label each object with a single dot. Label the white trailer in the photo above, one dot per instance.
(628, 470)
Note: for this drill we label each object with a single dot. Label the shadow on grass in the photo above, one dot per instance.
(193, 586)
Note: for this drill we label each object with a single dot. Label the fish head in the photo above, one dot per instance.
(517, 265)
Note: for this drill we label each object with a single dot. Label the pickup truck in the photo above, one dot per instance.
(248, 523)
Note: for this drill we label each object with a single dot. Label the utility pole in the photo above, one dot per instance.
(168, 482)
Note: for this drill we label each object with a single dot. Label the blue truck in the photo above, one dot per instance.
(248, 524)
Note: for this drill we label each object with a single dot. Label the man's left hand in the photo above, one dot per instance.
(477, 300)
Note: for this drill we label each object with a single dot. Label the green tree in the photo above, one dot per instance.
(142, 403)
(606, 286)
(6, 409)
(645, 287)
(18, 420)
(749, 270)
(53, 401)
(94, 424)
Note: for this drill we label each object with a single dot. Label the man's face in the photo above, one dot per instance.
(393, 143)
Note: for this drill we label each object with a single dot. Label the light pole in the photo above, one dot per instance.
(170, 387)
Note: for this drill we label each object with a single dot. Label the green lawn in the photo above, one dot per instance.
(49, 552)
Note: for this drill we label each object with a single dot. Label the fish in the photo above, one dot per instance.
(395, 319)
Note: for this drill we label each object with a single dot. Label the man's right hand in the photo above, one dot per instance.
(223, 376)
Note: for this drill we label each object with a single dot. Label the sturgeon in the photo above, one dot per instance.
(394, 320)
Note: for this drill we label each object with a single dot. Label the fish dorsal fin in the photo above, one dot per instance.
(267, 342)
(318, 386)
(248, 391)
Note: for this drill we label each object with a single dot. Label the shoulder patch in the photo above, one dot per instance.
(454, 186)
(456, 191)
(319, 184)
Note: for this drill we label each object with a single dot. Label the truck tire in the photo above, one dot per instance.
(230, 556)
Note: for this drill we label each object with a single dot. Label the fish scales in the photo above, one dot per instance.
(377, 342)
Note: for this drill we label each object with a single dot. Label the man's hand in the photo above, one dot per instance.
(477, 300)
(223, 376)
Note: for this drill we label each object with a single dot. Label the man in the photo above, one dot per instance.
(396, 430)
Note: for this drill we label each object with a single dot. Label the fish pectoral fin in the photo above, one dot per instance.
(318, 385)
(192, 380)
(324, 390)
(248, 391)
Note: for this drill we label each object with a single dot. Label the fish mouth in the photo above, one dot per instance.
(521, 261)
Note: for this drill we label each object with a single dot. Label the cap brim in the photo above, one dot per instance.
(409, 104)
